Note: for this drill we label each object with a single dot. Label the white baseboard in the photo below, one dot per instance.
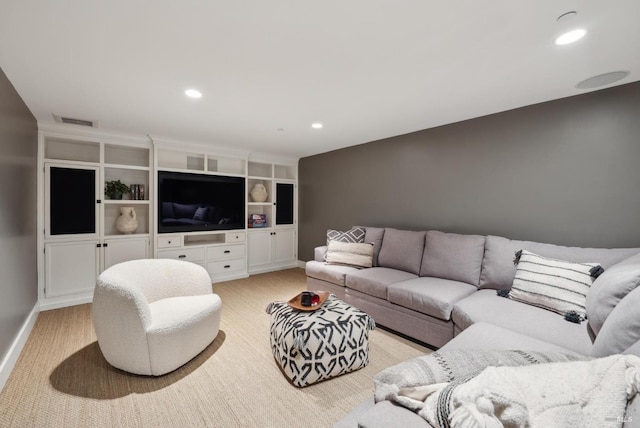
(10, 360)
(302, 264)
(65, 301)
(273, 268)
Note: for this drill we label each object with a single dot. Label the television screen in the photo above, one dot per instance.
(198, 202)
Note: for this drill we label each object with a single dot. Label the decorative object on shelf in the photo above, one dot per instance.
(127, 221)
(114, 189)
(137, 192)
(257, 220)
(258, 193)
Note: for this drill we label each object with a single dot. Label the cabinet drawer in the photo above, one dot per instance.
(226, 266)
(235, 237)
(226, 252)
(169, 241)
(187, 254)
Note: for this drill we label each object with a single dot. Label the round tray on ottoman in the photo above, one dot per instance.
(311, 346)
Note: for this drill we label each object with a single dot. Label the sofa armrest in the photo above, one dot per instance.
(319, 253)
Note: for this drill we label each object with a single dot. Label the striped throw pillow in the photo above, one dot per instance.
(350, 254)
(551, 284)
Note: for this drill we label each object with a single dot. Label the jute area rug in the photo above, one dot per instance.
(62, 379)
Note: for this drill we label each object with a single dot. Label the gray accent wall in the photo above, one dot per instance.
(564, 172)
(18, 181)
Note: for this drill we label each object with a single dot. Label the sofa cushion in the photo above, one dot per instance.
(484, 336)
(552, 284)
(486, 306)
(184, 210)
(375, 281)
(611, 287)
(402, 250)
(386, 414)
(429, 295)
(334, 274)
(353, 235)
(453, 256)
(633, 349)
(621, 329)
(350, 254)
(167, 210)
(374, 235)
(498, 269)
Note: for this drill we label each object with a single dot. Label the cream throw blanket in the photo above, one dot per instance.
(565, 394)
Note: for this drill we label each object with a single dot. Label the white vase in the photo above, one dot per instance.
(127, 221)
(258, 193)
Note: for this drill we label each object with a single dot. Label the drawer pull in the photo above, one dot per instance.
(227, 251)
(182, 256)
(227, 266)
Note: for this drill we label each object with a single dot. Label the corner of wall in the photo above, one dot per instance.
(12, 355)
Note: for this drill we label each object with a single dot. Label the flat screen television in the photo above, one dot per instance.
(199, 202)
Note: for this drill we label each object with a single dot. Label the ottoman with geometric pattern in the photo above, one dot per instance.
(318, 345)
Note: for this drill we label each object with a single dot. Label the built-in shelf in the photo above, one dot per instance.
(126, 156)
(173, 160)
(75, 171)
(72, 150)
(205, 239)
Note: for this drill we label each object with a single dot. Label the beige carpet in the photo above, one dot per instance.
(62, 380)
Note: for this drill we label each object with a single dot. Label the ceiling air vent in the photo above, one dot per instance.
(74, 121)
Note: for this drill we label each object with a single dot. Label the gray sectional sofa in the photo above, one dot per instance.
(441, 289)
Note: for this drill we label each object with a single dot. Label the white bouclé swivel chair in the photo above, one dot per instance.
(152, 316)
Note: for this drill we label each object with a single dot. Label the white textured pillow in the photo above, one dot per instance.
(552, 284)
(352, 254)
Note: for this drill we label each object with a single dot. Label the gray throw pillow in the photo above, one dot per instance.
(621, 328)
(610, 288)
(453, 256)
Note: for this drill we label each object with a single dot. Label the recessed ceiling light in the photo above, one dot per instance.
(602, 79)
(193, 93)
(571, 36)
(316, 125)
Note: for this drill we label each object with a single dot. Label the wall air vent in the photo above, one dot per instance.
(75, 121)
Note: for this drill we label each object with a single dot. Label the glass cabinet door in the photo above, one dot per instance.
(284, 203)
(72, 200)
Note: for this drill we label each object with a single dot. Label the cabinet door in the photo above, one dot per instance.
(259, 248)
(70, 267)
(71, 200)
(122, 250)
(285, 203)
(284, 245)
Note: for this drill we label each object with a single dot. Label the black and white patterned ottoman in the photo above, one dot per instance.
(318, 345)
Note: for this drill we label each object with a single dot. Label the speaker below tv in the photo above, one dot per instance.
(199, 202)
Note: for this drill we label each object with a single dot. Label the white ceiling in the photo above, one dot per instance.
(367, 69)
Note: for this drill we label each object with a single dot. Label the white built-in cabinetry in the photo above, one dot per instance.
(274, 246)
(80, 239)
(237, 253)
(223, 253)
(78, 222)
